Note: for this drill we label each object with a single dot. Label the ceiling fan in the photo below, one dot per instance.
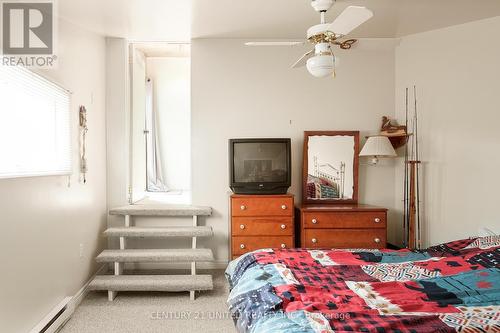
(320, 61)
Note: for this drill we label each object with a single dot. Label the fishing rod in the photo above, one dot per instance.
(419, 233)
(405, 199)
(411, 190)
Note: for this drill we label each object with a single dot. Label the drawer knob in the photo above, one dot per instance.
(242, 246)
(377, 240)
(283, 226)
(283, 207)
(283, 246)
(377, 220)
(314, 240)
(242, 226)
(243, 207)
(314, 221)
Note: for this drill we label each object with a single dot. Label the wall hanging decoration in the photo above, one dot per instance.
(397, 134)
(83, 143)
(330, 170)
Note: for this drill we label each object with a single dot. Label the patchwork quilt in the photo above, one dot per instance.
(452, 287)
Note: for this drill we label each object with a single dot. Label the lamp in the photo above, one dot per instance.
(321, 65)
(378, 146)
(323, 62)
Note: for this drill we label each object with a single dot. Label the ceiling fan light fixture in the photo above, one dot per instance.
(321, 65)
(351, 18)
(322, 5)
(321, 61)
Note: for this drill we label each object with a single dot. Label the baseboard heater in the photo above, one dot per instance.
(56, 317)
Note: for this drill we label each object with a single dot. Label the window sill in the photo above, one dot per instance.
(180, 197)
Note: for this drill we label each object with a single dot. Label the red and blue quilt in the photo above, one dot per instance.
(452, 287)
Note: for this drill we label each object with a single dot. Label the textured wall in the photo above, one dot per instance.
(240, 91)
(43, 220)
(458, 126)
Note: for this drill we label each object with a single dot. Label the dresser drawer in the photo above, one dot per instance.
(242, 245)
(262, 206)
(344, 220)
(258, 226)
(345, 238)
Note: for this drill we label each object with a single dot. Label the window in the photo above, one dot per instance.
(35, 135)
(161, 122)
(171, 110)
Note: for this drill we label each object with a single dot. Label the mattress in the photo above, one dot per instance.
(451, 287)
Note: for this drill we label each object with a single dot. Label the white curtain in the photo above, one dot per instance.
(154, 171)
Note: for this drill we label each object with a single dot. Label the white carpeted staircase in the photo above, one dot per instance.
(120, 282)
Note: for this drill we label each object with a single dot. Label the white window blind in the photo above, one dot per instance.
(35, 138)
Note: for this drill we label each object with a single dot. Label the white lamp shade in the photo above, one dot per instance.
(378, 146)
(321, 65)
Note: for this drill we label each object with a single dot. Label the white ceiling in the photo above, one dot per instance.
(168, 20)
(181, 20)
(161, 49)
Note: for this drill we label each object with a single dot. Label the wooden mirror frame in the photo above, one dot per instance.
(305, 170)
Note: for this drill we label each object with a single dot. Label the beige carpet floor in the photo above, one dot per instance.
(138, 312)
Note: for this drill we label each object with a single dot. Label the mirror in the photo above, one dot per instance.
(330, 170)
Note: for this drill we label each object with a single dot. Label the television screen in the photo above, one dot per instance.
(260, 162)
(257, 162)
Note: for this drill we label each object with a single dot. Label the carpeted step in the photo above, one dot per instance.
(160, 232)
(151, 282)
(156, 255)
(162, 210)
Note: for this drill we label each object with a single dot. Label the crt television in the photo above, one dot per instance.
(260, 166)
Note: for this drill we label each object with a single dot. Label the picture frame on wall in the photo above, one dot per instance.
(330, 167)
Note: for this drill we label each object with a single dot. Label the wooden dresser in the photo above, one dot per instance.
(343, 226)
(261, 221)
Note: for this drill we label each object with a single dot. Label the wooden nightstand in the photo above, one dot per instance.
(261, 221)
(343, 226)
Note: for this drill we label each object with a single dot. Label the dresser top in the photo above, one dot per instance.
(341, 208)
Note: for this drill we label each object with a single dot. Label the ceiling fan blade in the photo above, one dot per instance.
(274, 43)
(302, 61)
(351, 18)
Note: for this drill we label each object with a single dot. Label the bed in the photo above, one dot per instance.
(452, 287)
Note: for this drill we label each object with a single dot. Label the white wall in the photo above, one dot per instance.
(457, 73)
(240, 91)
(43, 220)
(118, 125)
(138, 116)
(172, 102)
